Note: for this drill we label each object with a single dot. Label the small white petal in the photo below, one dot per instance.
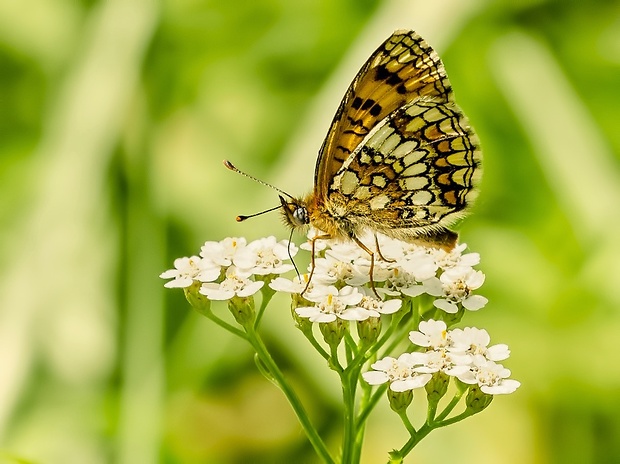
(433, 286)
(214, 292)
(179, 282)
(281, 284)
(475, 302)
(414, 290)
(419, 339)
(446, 306)
(355, 314)
(169, 274)
(250, 288)
(322, 317)
(208, 275)
(383, 363)
(504, 387)
(375, 377)
(415, 358)
(307, 311)
(430, 333)
(467, 377)
(410, 383)
(498, 352)
(390, 306)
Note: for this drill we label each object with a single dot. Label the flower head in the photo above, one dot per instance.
(457, 285)
(490, 376)
(473, 341)
(222, 252)
(444, 361)
(330, 270)
(187, 270)
(431, 334)
(376, 307)
(295, 285)
(265, 256)
(399, 372)
(331, 303)
(236, 283)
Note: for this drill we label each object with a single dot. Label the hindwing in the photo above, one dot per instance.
(418, 169)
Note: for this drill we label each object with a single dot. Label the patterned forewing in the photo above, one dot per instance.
(418, 169)
(403, 69)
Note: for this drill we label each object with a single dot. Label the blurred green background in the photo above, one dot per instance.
(114, 118)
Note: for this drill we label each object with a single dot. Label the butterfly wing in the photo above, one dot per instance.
(404, 68)
(414, 174)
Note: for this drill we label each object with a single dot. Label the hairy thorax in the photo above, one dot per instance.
(333, 218)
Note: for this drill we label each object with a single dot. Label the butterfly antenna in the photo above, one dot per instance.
(233, 168)
(243, 218)
(288, 249)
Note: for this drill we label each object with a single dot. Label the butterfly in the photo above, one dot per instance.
(400, 157)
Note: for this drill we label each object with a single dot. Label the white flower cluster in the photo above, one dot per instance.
(232, 267)
(461, 353)
(339, 289)
(339, 281)
(342, 269)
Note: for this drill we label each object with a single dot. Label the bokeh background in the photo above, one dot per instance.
(114, 118)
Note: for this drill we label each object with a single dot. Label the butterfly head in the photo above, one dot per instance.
(295, 212)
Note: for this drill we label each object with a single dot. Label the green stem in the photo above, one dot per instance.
(291, 396)
(360, 421)
(407, 422)
(431, 411)
(414, 440)
(450, 406)
(416, 436)
(316, 345)
(225, 325)
(348, 439)
(350, 347)
(464, 415)
(370, 405)
(353, 428)
(334, 363)
(267, 295)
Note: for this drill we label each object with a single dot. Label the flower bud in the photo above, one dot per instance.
(399, 401)
(333, 332)
(476, 400)
(437, 387)
(198, 301)
(243, 309)
(302, 323)
(369, 330)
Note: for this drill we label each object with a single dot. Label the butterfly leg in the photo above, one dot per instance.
(372, 262)
(312, 263)
(387, 260)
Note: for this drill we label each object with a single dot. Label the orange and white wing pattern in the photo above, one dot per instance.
(400, 157)
(403, 69)
(417, 171)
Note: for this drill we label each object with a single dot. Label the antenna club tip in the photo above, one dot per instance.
(240, 218)
(229, 165)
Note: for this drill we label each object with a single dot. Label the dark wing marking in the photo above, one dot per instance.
(403, 69)
(418, 169)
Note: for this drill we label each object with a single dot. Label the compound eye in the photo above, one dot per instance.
(301, 216)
